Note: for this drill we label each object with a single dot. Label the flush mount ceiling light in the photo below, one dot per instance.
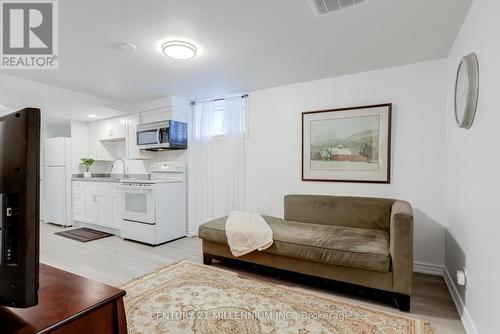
(179, 50)
(92, 116)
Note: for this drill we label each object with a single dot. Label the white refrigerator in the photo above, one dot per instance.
(57, 181)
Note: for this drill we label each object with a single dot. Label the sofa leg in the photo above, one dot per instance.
(207, 259)
(402, 302)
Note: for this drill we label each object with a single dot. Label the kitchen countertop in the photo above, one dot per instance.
(96, 179)
(109, 177)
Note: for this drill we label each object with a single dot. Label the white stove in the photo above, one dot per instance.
(155, 208)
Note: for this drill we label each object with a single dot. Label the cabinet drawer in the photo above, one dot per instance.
(78, 185)
(139, 232)
(77, 197)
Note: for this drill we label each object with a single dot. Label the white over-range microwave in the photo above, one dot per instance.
(162, 136)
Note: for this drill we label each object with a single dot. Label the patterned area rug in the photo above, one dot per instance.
(193, 298)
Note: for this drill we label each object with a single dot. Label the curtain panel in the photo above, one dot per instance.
(216, 162)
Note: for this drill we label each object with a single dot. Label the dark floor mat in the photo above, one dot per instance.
(84, 234)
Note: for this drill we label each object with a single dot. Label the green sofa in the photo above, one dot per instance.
(359, 240)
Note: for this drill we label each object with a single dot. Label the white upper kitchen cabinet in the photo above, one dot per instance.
(99, 150)
(105, 131)
(133, 152)
(163, 114)
(113, 129)
(120, 128)
(164, 109)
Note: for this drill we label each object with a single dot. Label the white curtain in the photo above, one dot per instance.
(234, 163)
(216, 163)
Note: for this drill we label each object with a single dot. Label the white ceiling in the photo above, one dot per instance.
(245, 44)
(57, 105)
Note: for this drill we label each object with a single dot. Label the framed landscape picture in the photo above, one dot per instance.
(347, 145)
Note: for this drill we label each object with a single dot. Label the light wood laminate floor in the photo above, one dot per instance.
(115, 261)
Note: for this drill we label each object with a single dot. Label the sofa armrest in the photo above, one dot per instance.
(401, 246)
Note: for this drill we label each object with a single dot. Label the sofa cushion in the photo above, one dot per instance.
(362, 212)
(338, 245)
(215, 230)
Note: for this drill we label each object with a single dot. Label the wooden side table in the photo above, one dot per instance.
(68, 303)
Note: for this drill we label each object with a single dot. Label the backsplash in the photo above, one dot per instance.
(135, 166)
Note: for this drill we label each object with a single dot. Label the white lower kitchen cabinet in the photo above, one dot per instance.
(91, 209)
(78, 205)
(104, 209)
(97, 203)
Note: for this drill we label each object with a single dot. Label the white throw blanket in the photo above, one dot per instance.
(246, 232)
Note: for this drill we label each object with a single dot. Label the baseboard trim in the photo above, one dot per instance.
(465, 316)
(427, 268)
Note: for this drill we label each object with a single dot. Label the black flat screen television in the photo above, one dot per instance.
(19, 207)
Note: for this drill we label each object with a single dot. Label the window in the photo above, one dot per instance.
(218, 126)
(220, 117)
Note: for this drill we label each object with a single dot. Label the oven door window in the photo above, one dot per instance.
(147, 137)
(136, 202)
(139, 206)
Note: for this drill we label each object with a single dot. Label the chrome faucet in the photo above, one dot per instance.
(125, 175)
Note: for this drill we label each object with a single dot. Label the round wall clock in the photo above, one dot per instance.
(466, 91)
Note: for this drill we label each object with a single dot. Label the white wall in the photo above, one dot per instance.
(79, 145)
(473, 173)
(417, 91)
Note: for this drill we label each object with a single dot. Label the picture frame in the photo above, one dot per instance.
(347, 144)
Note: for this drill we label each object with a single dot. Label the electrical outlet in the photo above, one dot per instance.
(461, 278)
